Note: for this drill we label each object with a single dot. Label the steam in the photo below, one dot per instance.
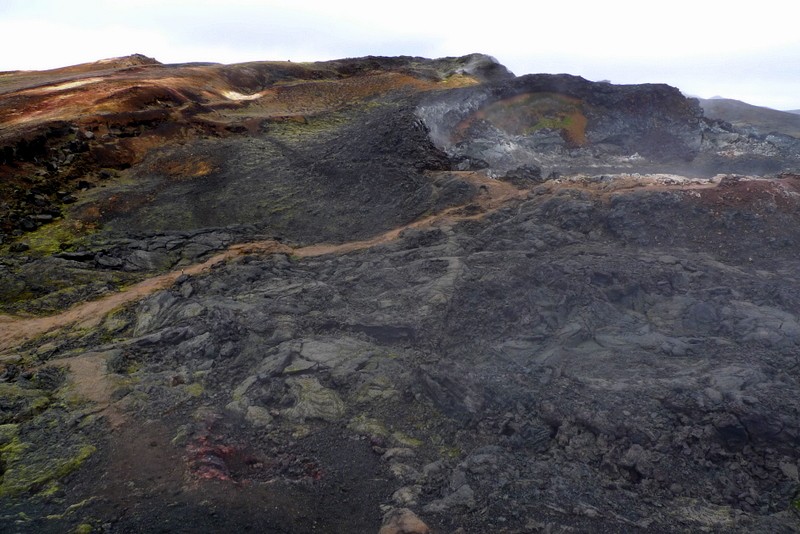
(441, 116)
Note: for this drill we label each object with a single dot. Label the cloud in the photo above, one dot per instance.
(754, 51)
(63, 45)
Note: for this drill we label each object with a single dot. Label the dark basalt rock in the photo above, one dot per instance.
(524, 176)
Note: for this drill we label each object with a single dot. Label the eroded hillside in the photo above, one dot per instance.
(391, 294)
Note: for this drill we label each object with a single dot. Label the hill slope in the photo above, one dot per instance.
(391, 294)
(741, 114)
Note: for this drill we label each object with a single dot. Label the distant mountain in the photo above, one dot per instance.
(795, 111)
(765, 120)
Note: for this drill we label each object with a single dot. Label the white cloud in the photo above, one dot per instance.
(50, 44)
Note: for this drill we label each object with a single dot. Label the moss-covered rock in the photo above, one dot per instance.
(194, 389)
(379, 388)
(58, 236)
(367, 426)
(258, 416)
(313, 400)
(46, 285)
(34, 470)
(18, 403)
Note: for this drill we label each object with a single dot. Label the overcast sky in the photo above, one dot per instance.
(704, 47)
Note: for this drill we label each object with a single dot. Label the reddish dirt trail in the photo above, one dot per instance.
(90, 377)
(17, 330)
(494, 195)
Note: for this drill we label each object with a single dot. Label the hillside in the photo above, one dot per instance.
(741, 114)
(394, 295)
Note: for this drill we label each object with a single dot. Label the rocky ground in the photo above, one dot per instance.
(395, 295)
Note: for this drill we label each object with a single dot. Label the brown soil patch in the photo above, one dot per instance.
(89, 376)
(191, 168)
(161, 88)
(755, 194)
(305, 97)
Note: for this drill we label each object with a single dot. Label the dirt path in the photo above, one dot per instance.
(16, 330)
(493, 195)
(89, 376)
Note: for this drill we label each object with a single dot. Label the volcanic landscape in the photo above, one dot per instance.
(394, 295)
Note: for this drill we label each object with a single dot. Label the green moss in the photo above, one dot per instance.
(451, 452)
(380, 388)
(313, 400)
(367, 426)
(29, 471)
(310, 126)
(50, 489)
(301, 431)
(195, 390)
(50, 238)
(46, 287)
(116, 321)
(71, 509)
(23, 402)
(554, 123)
(8, 433)
(23, 517)
(14, 293)
(39, 403)
(68, 398)
(406, 441)
(11, 448)
(83, 528)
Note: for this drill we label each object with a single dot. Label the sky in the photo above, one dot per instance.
(747, 51)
